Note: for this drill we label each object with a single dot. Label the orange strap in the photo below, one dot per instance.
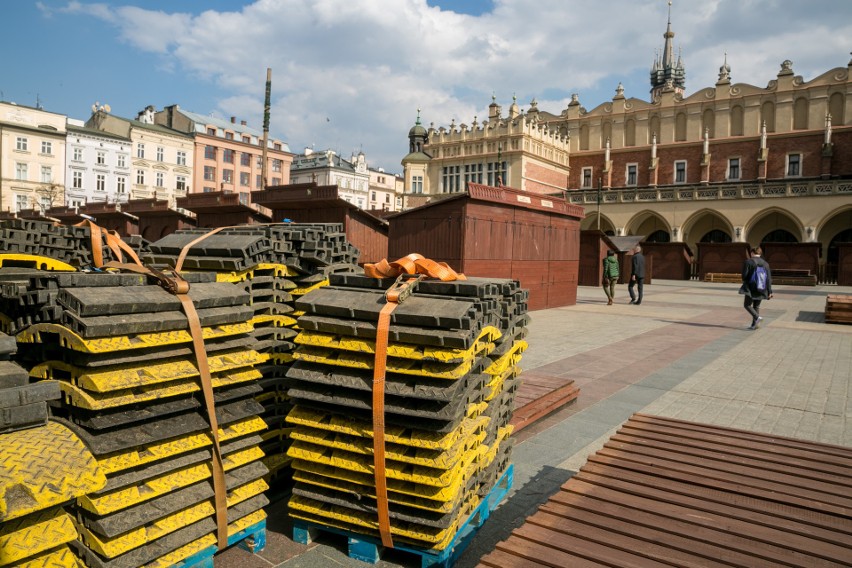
(412, 264)
(185, 250)
(379, 421)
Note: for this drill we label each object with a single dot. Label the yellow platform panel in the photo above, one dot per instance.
(42, 467)
(394, 365)
(35, 534)
(270, 320)
(8, 260)
(301, 291)
(73, 341)
(61, 557)
(483, 345)
(508, 359)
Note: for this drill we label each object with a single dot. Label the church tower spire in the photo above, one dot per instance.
(667, 73)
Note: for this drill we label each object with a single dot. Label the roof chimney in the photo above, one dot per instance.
(233, 120)
(242, 123)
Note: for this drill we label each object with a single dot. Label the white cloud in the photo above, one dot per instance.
(368, 65)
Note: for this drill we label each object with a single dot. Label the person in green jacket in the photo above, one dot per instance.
(610, 275)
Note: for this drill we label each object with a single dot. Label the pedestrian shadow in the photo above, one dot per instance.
(699, 324)
(513, 512)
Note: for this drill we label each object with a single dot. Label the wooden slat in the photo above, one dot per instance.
(680, 493)
(540, 395)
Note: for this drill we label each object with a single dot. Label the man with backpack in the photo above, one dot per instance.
(757, 285)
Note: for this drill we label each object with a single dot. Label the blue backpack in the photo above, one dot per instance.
(758, 278)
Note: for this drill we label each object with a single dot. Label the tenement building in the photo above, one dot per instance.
(731, 162)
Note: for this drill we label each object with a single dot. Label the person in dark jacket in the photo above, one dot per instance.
(637, 275)
(610, 275)
(757, 285)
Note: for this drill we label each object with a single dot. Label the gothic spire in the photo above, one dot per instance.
(665, 67)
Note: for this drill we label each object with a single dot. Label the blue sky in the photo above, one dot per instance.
(350, 74)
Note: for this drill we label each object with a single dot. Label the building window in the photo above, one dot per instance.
(20, 171)
(245, 159)
(372, 196)
(416, 184)
(101, 159)
(450, 179)
(46, 174)
(209, 189)
(680, 171)
(228, 176)
(276, 181)
(160, 153)
(276, 146)
(794, 165)
(122, 160)
(733, 168)
(78, 155)
(473, 173)
(21, 143)
(258, 182)
(45, 202)
(21, 202)
(259, 162)
(181, 158)
(77, 180)
(209, 173)
(100, 182)
(587, 178)
(632, 170)
(276, 165)
(140, 150)
(229, 135)
(228, 156)
(493, 170)
(245, 179)
(120, 184)
(211, 131)
(247, 139)
(76, 202)
(46, 147)
(160, 180)
(140, 177)
(210, 152)
(181, 183)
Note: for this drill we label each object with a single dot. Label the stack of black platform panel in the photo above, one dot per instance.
(452, 355)
(69, 244)
(43, 466)
(274, 263)
(122, 355)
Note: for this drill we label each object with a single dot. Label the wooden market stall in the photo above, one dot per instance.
(498, 232)
(222, 209)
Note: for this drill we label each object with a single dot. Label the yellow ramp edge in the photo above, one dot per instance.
(262, 269)
(73, 341)
(394, 365)
(270, 320)
(34, 261)
(35, 534)
(119, 377)
(78, 397)
(301, 291)
(122, 498)
(62, 557)
(482, 345)
(135, 538)
(42, 467)
(508, 359)
(303, 416)
(206, 541)
(128, 459)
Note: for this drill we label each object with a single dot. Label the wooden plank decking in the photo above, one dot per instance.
(665, 492)
(540, 395)
(838, 308)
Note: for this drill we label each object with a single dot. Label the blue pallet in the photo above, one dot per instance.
(252, 538)
(369, 549)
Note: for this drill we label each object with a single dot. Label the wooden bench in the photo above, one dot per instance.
(838, 308)
(725, 277)
(665, 492)
(793, 277)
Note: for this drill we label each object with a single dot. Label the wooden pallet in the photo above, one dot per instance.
(369, 549)
(540, 395)
(665, 492)
(725, 277)
(838, 308)
(251, 538)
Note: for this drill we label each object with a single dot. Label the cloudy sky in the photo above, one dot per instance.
(350, 74)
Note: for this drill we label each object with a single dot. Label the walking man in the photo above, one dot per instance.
(610, 275)
(637, 275)
(757, 285)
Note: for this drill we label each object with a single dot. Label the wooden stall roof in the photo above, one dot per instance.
(311, 196)
(626, 244)
(665, 492)
(218, 202)
(95, 208)
(506, 196)
(153, 208)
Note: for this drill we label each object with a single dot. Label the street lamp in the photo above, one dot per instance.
(600, 187)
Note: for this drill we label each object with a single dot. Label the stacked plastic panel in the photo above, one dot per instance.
(452, 371)
(274, 263)
(43, 466)
(65, 243)
(122, 355)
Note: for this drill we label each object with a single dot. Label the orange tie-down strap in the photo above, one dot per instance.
(175, 284)
(411, 265)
